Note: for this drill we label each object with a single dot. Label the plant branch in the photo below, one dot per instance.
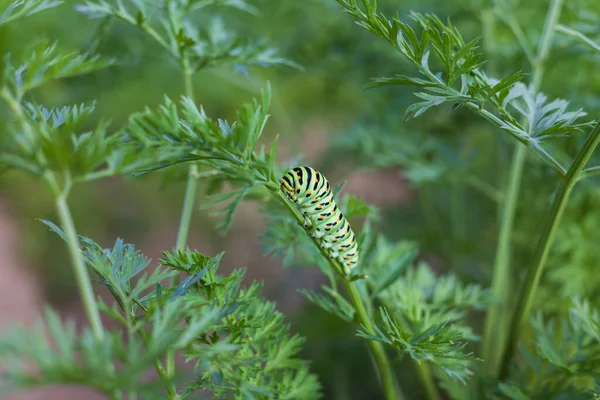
(495, 335)
(589, 172)
(171, 392)
(423, 370)
(579, 36)
(535, 271)
(81, 273)
(96, 175)
(188, 202)
(532, 145)
(192, 181)
(391, 388)
(395, 34)
(499, 314)
(188, 208)
(124, 16)
(485, 188)
(515, 28)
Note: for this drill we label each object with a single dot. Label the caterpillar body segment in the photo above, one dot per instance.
(312, 193)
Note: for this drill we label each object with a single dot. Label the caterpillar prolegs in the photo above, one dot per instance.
(311, 192)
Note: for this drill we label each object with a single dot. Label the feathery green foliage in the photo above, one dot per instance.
(238, 342)
(17, 9)
(416, 298)
(229, 333)
(169, 24)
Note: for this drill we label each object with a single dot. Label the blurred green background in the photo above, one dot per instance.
(433, 178)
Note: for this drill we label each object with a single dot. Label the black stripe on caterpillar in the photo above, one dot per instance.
(312, 193)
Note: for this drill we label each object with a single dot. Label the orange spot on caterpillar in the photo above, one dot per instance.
(321, 217)
(328, 228)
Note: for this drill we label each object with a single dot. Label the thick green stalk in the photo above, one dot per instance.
(499, 313)
(534, 273)
(495, 333)
(391, 388)
(81, 273)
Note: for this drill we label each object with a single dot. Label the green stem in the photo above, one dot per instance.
(514, 26)
(494, 332)
(488, 25)
(427, 380)
(534, 148)
(182, 234)
(391, 388)
(588, 172)
(162, 373)
(81, 274)
(125, 16)
(499, 313)
(423, 369)
(485, 188)
(546, 40)
(187, 210)
(534, 273)
(192, 181)
(190, 190)
(188, 85)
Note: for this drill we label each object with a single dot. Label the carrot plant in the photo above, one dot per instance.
(451, 70)
(236, 341)
(413, 319)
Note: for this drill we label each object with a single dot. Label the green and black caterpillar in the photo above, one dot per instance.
(311, 192)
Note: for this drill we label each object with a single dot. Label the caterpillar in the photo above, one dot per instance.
(311, 192)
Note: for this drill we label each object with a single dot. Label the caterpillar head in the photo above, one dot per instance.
(288, 185)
